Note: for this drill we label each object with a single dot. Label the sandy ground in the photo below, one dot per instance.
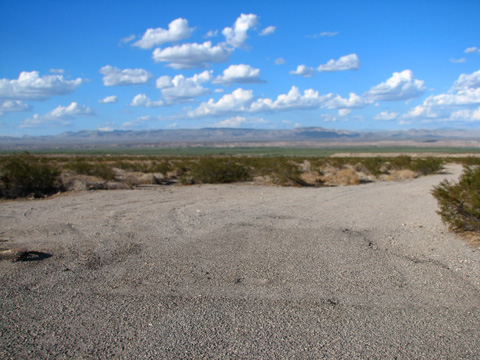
(239, 271)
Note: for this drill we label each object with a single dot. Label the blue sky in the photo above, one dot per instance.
(357, 65)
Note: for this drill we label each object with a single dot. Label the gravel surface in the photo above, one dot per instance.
(239, 271)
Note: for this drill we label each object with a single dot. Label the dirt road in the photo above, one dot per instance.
(239, 271)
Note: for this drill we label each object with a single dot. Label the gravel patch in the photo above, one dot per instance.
(238, 272)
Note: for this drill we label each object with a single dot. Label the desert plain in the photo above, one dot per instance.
(239, 271)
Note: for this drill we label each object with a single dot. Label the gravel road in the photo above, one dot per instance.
(239, 272)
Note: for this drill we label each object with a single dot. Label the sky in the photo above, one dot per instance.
(136, 65)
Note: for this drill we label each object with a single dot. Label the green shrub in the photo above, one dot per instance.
(460, 202)
(427, 166)
(23, 175)
(218, 170)
(98, 169)
(401, 162)
(373, 165)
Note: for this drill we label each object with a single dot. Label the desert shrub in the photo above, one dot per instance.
(401, 162)
(427, 166)
(346, 177)
(282, 170)
(373, 165)
(98, 169)
(460, 202)
(161, 167)
(469, 160)
(23, 175)
(218, 170)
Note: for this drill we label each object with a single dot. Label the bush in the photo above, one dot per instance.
(427, 166)
(23, 175)
(218, 170)
(98, 169)
(460, 202)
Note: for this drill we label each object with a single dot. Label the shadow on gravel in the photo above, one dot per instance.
(23, 255)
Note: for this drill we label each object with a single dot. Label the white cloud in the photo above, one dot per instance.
(243, 101)
(140, 122)
(239, 100)
(453, 106)
(467, 81)
(143, 100)
(58, 116)
(458, 61)
(13, 106)
(401, 86)
(211, 33)
(177, 30)
(236, 121)
(57, 71)
(354, 101)
(113, 76)
(239, 121)
(192, 55)
(471, 50)
(344, 112)
(324, 34)
(237, 35)
(109, 100)
(303, 70)
(385, 115)
(244, 74)
(279, 61)
(32, 86)
(294, 100)
(181, 89)
(127, 39)
(268, 30)
(329, 33)
(347, 62)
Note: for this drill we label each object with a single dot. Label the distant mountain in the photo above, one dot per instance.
(204, 137)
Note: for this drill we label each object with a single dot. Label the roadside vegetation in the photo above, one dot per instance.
(460, 202)
(23, 175)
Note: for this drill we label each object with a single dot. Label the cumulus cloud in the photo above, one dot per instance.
(244, 74)
(467, 81)
(239, 100)
(235, 121)
(237, 35)
(57, 71)
(109, 100)
(385, 115)
(354, 101)
(181, 89)
(242, 100)
(143, 100)
(268, 30)
(401, 86)
(456, 105)
(32, 86)
(8, 106)
(303, 70)
(188, 56)
(279, 61)
(239, 121)
(471, 50)
(177, 30)
(113, 76)
(61, 115)
(458, 61)
(347, 62)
